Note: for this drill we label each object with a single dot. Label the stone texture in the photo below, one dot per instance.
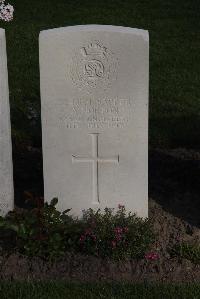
(6, 172)
(94, 101)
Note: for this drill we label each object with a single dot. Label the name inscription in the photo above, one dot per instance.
(91, 113)
(99, 113)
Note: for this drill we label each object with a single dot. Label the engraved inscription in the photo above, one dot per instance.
(98, 113)
(93, 67)
(95, 160)
(91, 113)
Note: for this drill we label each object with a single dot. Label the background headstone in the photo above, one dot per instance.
(6, 168)
(94, 101)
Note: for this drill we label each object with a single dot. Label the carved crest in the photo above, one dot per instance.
(93, 66)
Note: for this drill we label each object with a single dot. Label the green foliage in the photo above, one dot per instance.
(45, 232)
(118, 235)
(39, 231)
(187, 251)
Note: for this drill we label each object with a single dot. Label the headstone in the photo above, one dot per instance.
(94, 103)
(6, 172)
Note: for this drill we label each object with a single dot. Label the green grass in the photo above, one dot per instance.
(174, 59)
(187, 251)
(59, 290)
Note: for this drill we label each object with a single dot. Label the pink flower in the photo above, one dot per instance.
(94, 237)
(118, 238)
(88, 231)
(113, 244)
(118, 230)
(125, 229)
(120, 206)
(151, 256)
(82, 238)
(6, 11)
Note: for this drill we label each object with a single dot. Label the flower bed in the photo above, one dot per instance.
(47, 233)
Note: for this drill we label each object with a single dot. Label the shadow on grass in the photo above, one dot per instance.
(28, 173)
(174, 182)
(175, 132)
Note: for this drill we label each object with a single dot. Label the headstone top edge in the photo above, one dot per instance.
(93, 27)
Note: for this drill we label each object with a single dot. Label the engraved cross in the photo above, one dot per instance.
(95, 160)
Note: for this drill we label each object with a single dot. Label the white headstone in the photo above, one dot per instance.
(6, 169)
(94, 101)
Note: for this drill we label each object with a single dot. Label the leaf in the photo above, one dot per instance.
(66, 211)
(22, 229)
(2, 224)
(54, 201)
(13, 227)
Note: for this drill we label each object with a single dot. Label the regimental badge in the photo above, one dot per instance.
(93, 67)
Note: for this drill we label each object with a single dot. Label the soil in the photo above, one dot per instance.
(174, 207)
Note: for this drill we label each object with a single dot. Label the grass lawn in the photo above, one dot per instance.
(174, 59)
(59, 290)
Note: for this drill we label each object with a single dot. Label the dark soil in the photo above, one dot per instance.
(174, 207)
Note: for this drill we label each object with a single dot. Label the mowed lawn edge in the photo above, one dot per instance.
(58, 289)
